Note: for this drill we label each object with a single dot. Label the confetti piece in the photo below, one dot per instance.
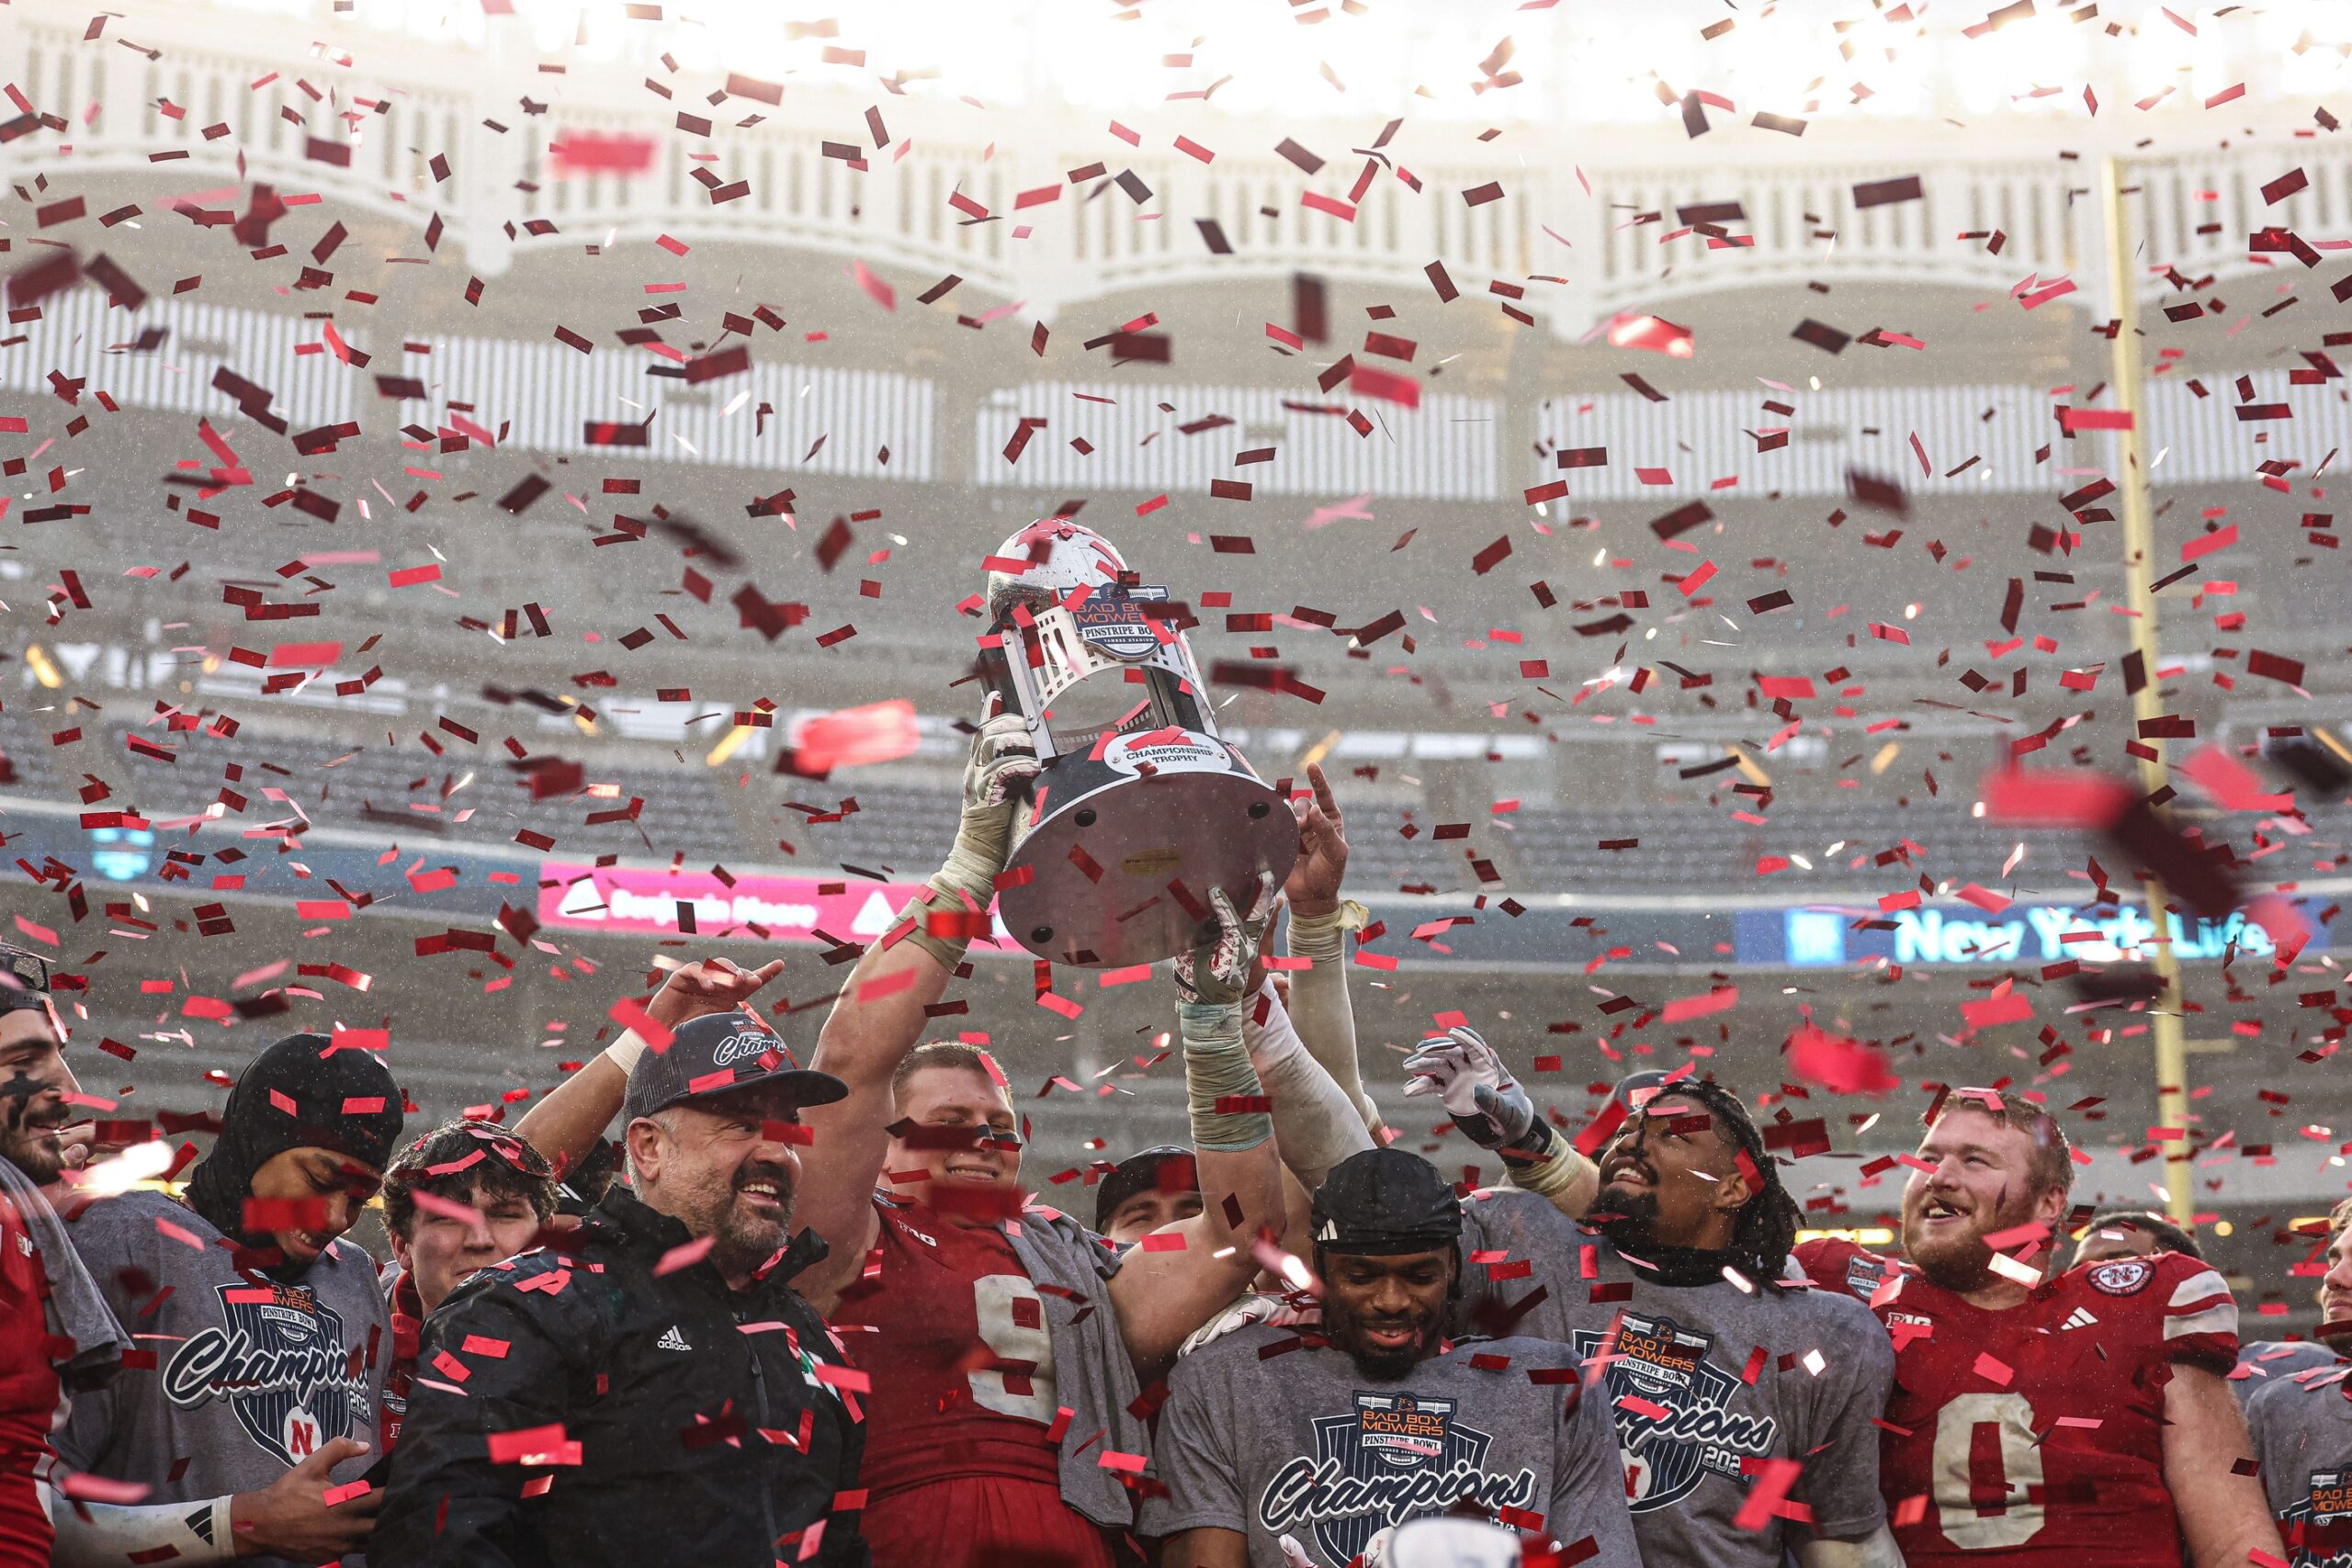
(1764, 1499)
(878, 732)
(881, 293)
(1652, 333)
(1836, 1064)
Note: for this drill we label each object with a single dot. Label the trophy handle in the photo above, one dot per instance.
(1012, 696)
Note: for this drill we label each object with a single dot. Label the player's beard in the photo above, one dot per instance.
(1628, 1216)
(1961, 1263)
(742, 1237)
(28, 1138)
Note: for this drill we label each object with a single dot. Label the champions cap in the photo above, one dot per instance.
(718, 1054)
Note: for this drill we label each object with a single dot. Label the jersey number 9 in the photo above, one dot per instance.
(1012, 1325)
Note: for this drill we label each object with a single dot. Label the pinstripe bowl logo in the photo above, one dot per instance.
(1395, 1457)
(1865, 1272)
(2320, 1524)
(280, 1359)
(1675, 1424)
(1115, 623)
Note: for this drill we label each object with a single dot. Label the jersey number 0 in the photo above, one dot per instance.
(1981, 1497)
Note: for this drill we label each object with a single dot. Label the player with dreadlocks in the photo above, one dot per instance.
(1724, 1382)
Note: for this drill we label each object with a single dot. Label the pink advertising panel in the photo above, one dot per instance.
(577, 896)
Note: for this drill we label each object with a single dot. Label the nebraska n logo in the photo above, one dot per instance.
(1395, 1457)
(1675, 1424)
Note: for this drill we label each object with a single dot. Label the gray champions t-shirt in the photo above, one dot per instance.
(239, 1381)
(2262, 1362)
(1268, 1437)
(1704, 1378)
(2303, 1438)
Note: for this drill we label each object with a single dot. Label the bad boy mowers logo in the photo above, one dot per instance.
(1395, 1457)
(2319, 1526)
(1675, 1424)
(281, 1363)
(1115, 621)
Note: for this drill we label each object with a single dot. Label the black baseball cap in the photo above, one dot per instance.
(1383, 1202)
(1634, 1083)
(1141, 1172)
(24, 978)
(718, 1054)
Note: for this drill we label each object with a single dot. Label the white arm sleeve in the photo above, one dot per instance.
(1315, 1125)
(1319, 1007)
(113, 1535)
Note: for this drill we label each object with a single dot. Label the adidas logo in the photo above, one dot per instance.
(671, 1339)
(2079, 1319)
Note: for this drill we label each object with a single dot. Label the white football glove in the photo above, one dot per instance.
(996, 778)
(1476, 1089)
(1215, 972)
(1272, 1311)
(1003, 757)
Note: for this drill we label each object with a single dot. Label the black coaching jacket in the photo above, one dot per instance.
(686, 1423)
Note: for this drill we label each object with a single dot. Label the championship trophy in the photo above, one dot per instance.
(1139, 808)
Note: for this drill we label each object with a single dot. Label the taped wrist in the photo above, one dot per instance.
(1230, 1109)
(1318, 937)
(1537, 1145)
(948, 950)
(92, 1533)
(624, 1053)
(1544, 1162)
(983, 838)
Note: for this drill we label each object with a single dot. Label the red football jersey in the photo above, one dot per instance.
(2015, 1438)
(953, 1333)
(28, 1391)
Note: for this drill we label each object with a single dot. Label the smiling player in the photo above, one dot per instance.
(1278, 1448)
(2080, 1419)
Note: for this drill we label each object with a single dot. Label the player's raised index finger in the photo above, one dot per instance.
(1323, 795)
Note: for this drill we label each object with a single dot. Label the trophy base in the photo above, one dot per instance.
(1121, 865)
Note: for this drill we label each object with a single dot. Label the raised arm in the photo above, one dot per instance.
(1494, 1112)
(1314, 1123)
(1318, 927)
(1161, 1297)
(2225, 1518)
(568, 1120)
(881, 1012)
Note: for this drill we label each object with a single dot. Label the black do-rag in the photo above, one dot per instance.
(341, 1099)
